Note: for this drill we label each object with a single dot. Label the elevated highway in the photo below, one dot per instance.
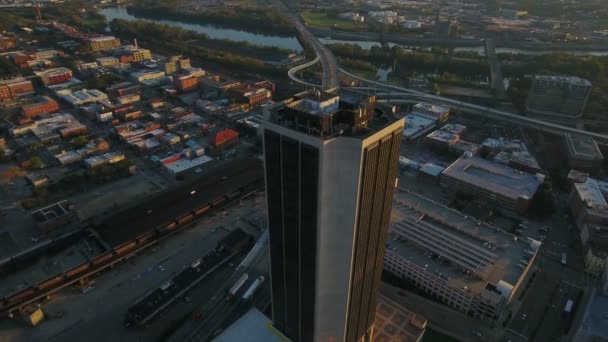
(324, 55)
(396, 94)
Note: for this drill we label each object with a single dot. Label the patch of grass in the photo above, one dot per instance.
(324, 20)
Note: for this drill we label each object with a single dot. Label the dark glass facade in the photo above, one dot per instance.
(292, 170)
(376, 193)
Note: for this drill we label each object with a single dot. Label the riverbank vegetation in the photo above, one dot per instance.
(135, 28)
(173, 40)
(253, 19)
(326, 20)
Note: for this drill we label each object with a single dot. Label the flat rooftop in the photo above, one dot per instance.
(429, 107)
(253, 326)
(179, 201)
(591, 194)
(487, 252)
(495, 177)
(442, 136)
(583, 147)
(415, 123)
(394, 322)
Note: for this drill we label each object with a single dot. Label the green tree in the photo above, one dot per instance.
(36, 163)
(80, 141)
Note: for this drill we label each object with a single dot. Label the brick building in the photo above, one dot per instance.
(41, 105)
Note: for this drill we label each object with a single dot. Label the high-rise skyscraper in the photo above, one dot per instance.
(331, 163)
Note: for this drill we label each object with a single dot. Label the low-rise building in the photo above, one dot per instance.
(50, 128)
(147, 75)
(104, 159)
(106, 61)
(508, 188)
(461, 146)
(185, 164)
(459, 261)
(185, 83)
(15, 87)
(441, 139)
(512, 153)
(417, 125)
(583, 153)
(54, 76)
(134, 53)
(441, 114)
(39, 105)
(224, 138)
(82, 97)
(7, 43)
(250, 94)
(104, 43)
(127, 99)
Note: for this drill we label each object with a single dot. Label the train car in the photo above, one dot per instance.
(202, 210)
(233, 194)
(22, 295)
(126, 247)
(76, 270)
(218, 201)
(49, 283)
(185, 219)
(102, 258)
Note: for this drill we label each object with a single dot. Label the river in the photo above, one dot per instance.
(212, 31)
(292, 43)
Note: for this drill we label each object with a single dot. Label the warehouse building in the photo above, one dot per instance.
(507, 188)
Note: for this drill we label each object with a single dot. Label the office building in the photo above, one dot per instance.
(503, 186)
(583, 153)
(104, 43)
(558, 99)
(331, 164)
(463, 263)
